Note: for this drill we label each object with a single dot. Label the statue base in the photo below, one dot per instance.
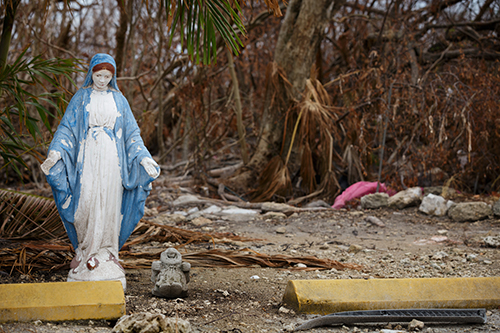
(97, 268)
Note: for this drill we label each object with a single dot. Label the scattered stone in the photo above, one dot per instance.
(231, 210)
(170, 275)
(169, 219)
(415, 325)
(274, 216)
(301, 265)
(318, 203)
(212, 210)
(374, 201)
(440, 255)
(433, 205)
(284, 310)
(151, 323)
(150, 211)
(277, 207)
(496, 208)
(254, 277)
(375, 221)
(200, 221)
(281, 230)
(186, 199)
(492, 241)
(469, 211)
(443, 232)
(353, 248)
(407, 198)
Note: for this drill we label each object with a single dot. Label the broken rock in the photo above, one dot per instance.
(469, 211)
(434, 205)
(406, 198)
(496, 208)
(374, 201)
(151, 323)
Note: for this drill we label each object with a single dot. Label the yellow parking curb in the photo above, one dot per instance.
(329, 296)
(61, 301)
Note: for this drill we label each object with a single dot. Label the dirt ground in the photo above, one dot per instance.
(411, 245)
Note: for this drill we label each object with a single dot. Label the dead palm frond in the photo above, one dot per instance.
(237, 259)
(317, 129)
(353, 162)
(275, 179)
(27, 216)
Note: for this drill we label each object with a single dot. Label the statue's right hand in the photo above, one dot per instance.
(51, 160)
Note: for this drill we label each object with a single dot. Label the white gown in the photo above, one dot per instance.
(98, 216)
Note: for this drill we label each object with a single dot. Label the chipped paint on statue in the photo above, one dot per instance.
(170, 275)
(100, 173)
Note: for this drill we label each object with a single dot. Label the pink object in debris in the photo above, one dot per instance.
(357, 190)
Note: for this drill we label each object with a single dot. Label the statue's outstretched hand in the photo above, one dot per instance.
(151, 167)
(51, 160)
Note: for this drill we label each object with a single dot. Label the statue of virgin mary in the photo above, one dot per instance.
(100, 173)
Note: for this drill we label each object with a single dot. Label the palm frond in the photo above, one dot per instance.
(27, 216)
(20, 131)
(199, 20)
(275, 180)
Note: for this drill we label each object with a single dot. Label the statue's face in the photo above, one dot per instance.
(101, 79)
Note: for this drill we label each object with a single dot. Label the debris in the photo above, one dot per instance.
(274, 216)
(375, 221)
(374, 201)
(151, 323)
(187, 199)
(492, 241)
(407, 198)
(434, 205)
(415, 316)
(353, 248)
(281, 230)
(284, 310)
(415, 325)
(496, 208)
(199, 221)
(357, 190)
(469, 211)
(277, 207)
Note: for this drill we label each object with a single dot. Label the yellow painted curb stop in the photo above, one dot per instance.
(57, 301)
(329, 296)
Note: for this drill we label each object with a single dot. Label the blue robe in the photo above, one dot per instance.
(69, 141)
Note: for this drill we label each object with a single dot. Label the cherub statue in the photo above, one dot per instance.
(170, 275)
(100, 173)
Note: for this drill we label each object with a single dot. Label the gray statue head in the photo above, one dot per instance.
(171, 256)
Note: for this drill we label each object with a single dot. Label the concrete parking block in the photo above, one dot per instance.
(61, 301)
(329, 296)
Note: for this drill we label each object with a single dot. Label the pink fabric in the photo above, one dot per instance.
(357, 190)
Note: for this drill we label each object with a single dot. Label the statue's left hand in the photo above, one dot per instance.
(151, 167)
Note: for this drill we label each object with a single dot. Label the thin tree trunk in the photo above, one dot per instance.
(8, 23)
(121, 35)
(300, 35)
(237, 108)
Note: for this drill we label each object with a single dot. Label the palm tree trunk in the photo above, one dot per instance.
(8, 23)
(301, 33)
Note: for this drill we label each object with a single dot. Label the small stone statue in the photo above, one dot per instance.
(170, 275)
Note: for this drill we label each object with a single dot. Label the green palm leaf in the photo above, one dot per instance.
(199, 20)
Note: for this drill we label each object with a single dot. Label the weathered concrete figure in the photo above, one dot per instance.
(100, 173)
(170, 275)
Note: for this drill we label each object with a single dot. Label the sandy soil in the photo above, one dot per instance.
(250, 299)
